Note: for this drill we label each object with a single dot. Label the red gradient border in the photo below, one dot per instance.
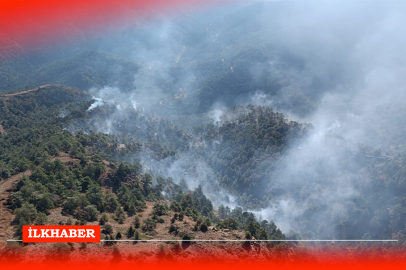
(28, 23)
(320, 257)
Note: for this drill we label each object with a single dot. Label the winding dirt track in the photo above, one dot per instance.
(6, 215)
(25, 91)
(6, 188)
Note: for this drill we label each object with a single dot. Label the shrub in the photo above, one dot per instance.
(203, 227)
(160, 220)
(91, 213)
(173, 228)
(27, 211)
(103, 219)
(107, 229)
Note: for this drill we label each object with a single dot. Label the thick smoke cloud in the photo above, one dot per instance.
(339, 65)
(355, 51)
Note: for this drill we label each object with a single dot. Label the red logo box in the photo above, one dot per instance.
(61, 233)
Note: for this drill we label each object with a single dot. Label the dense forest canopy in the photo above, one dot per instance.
(241, 119)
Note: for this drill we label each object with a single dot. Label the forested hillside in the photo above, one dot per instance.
(82, 70)
(240, 123)
(69, 179)
(242, 150)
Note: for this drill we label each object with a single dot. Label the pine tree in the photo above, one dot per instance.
(41, 219)
(136, 236)
(119, 212)
(137, 222)
(131, 210)
(222, 212)
(130, 232)
(149, 224)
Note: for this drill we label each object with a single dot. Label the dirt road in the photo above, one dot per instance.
(6, 215)
(25, 91)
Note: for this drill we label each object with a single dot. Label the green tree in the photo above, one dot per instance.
(91, 213)
(228, 223)
(103, 219)
(130, 232)
(70, 205)
(137, 222)
(149, 224)
(203, 227)
(131, 210)
(111, 203)
(137, 236)
(27, 211)
(44, 203)
(147, 183)
(95, 197)
(160, 209)
(41, 219)
(119, 213)
(21, 223)
(107, 229)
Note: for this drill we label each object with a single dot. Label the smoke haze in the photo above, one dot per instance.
(338, 65)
